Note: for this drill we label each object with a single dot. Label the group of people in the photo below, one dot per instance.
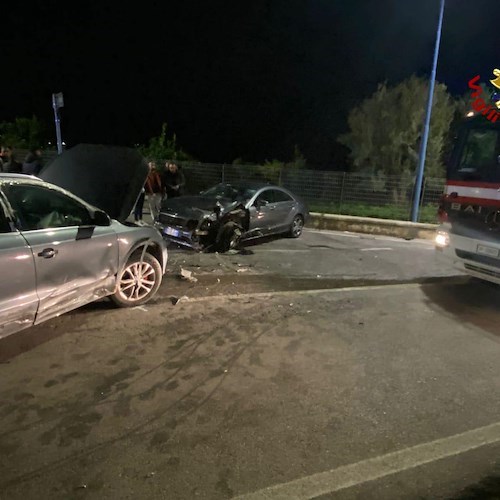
(32, 163)
(160, 184)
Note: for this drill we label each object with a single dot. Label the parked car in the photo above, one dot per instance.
(59, 252)
(224, 215)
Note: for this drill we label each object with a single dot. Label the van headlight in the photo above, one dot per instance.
(442, 239)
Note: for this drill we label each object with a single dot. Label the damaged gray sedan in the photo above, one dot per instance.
(228, 213)
(59, 251)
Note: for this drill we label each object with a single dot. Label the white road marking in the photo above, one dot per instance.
(376, 249)
(286, 293)
(367, 236)
(375, 468)
(336, 233)
(283, 250)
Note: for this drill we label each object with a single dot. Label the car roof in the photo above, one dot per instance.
(17, 177)
(250, 184)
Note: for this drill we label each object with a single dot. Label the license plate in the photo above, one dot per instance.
(489, 251)
(172, 232)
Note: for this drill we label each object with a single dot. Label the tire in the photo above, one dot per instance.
(127, 293)
(296, 227)
(229, 237)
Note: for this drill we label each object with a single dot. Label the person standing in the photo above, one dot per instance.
(154, 190)
(173, 180)
(10, 164)
(33, 162)
(139, 205)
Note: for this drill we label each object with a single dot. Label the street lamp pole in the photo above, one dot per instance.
(425, 134)
(58, 102)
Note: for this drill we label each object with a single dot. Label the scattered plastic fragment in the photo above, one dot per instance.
(188, 275)
(176, 300)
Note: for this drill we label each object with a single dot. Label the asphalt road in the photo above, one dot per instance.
(334, 366)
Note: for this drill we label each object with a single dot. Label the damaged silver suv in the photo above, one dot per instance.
(59, 252)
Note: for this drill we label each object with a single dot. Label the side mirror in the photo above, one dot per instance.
(260, 203)
(101, 218)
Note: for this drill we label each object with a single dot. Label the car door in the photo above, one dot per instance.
(75, 260)
(263, 219)
(18, 297)
(286, 209)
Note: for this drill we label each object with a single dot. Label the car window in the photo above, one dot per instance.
(480, 149)
(281, 196)
(37, 207)
(266, 196)
(230, 192)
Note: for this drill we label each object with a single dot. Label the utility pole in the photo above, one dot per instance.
(425, 135)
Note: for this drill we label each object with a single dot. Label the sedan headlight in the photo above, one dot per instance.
(204, 228)
(205, 225)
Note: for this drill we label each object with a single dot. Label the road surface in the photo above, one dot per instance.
(334, 366)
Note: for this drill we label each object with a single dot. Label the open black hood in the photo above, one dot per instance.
(108, 177)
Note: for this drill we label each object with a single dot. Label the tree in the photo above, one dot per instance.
(163, 147)
(272, 170)
(24, 133)
(385, 131)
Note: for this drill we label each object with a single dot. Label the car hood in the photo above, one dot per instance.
(194, 207)
(108, 177)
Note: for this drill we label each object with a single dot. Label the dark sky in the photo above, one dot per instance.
(231, 78)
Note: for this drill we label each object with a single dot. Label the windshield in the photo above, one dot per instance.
(477, 155)
(230, 192)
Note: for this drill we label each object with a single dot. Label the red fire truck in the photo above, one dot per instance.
(469, 233)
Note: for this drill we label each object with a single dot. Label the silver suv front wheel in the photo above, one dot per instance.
(138, 281)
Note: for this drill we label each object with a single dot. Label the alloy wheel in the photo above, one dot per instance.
(137, 281)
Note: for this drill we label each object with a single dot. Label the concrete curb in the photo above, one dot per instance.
(368, 225)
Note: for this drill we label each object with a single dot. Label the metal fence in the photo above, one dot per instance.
(349, 193)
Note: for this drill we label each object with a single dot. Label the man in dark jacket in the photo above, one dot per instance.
(33, 162)
(173, 180)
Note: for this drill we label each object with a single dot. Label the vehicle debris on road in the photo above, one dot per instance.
(188, 275)
(176, 300)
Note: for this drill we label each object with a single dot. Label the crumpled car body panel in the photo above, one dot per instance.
(48, 271)
(199, 222)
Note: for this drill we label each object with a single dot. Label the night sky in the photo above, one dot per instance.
(232, 79)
